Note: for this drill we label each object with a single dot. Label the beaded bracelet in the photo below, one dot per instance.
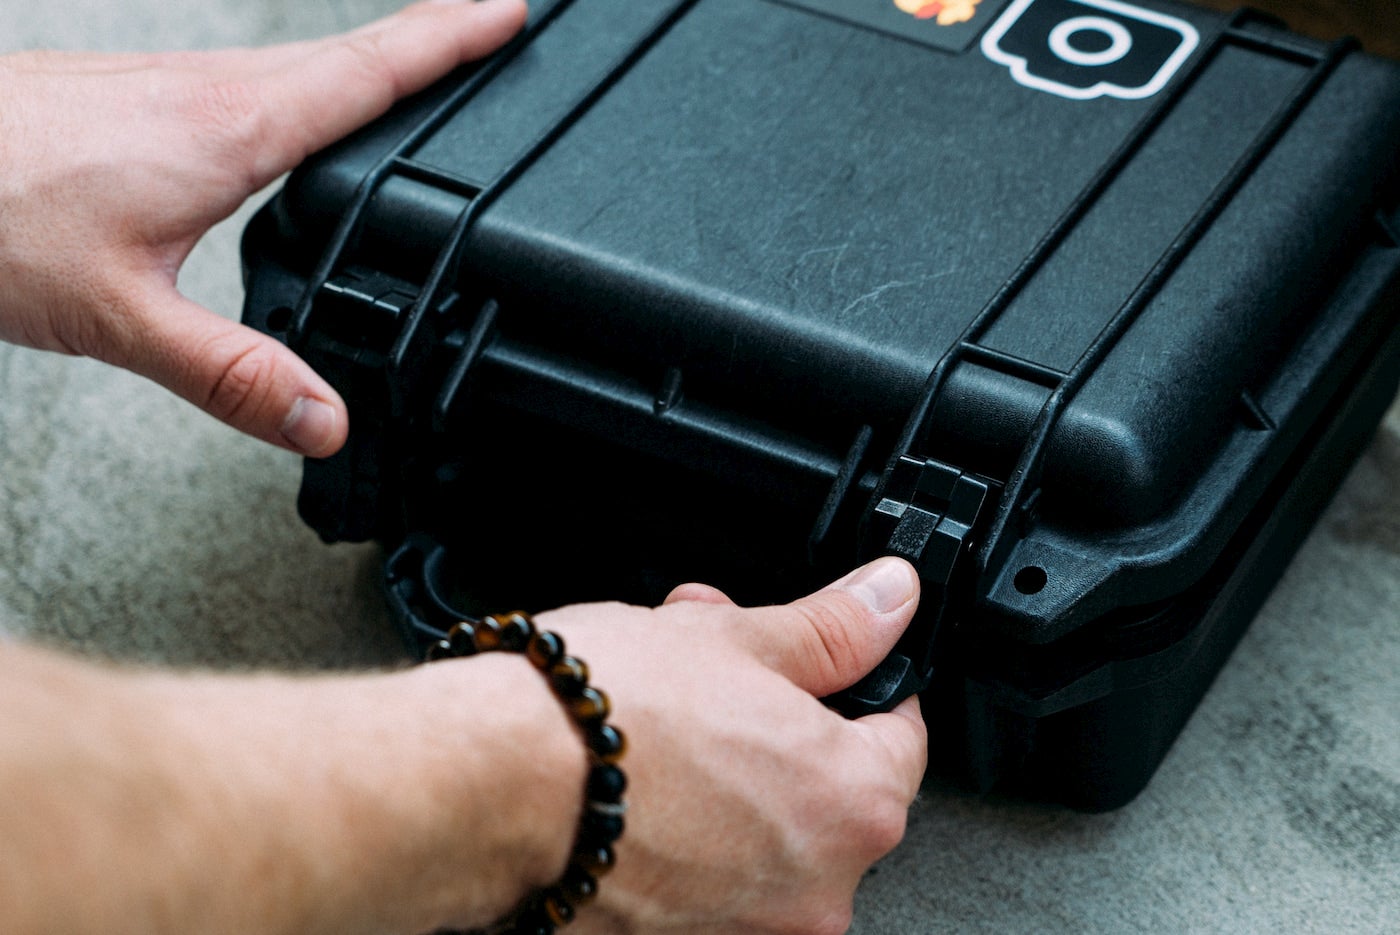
(602, 822)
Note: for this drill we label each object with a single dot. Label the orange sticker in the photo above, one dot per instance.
(945, 12)
(946, 25)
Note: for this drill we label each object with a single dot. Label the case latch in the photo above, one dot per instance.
(927, 515)
(356, 319)
(930, 513)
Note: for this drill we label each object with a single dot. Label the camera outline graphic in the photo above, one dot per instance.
(1120, 46)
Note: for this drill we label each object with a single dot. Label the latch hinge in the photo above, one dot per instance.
(927, 516)
(362, 309)
(356, 320)
(930, 514)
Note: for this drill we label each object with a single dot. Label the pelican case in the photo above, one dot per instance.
(1084, 307)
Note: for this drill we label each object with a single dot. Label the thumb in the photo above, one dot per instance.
(232, 372)
(825, 642)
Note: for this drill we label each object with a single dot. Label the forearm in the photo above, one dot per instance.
(385, 803)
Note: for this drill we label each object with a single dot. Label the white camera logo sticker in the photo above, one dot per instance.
(1084, 49)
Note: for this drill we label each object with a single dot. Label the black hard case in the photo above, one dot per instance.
(733, 291)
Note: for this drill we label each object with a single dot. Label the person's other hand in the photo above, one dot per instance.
(113, 166)
(755, 810)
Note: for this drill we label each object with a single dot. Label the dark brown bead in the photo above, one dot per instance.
(569, 676)
(558, 908)
(532, 920)
(590, 705)
(607, 743)
(439, 650)
(488, 635)
(546, 649)
(462, 638)
(606, 783)
(516, 632)
(579, 885)
(598, 828)
(594, 858)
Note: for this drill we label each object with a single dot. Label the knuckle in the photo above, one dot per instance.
(230, 111)
(885, 829)
(371, 59)
(834, 919)
(834, 650)
(223, 103)
(241, 386)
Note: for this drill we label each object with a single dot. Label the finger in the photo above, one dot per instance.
(237, 375)
(318, 92)
(698, 594)
(902, 737)
(60, 62)
(825, 642)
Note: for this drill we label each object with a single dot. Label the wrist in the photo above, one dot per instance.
(400, 802)
(501, 752)
(603, 808)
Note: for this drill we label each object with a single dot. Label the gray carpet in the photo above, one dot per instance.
(134, 526)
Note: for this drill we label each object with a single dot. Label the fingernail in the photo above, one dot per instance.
(885, 585)
(310, 425)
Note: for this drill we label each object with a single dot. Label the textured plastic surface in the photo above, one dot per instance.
(745, 292)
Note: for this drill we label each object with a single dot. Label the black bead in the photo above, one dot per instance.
(462, 639)
(589, 705)
(546, 649)
(516, 632)
(558, 908)
(532, 921)
(488, 635)
(606, 742)
(569, 676)
(579, 885)
(598, 828)
(597, 859)
(606, 783)
(439, 650)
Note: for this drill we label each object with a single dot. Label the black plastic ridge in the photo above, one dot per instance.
(350, 222)
(966, 345)
(432, 175)
(471, 350)
(1003, 362)
(1053, 239)
(1028, 466)
(450, 256)
(840, 487)
(1280, 46)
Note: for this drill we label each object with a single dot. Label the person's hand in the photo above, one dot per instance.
(754, 809)
(440, 796)
(113, 166)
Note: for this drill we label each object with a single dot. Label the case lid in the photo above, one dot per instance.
(1113, 256)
